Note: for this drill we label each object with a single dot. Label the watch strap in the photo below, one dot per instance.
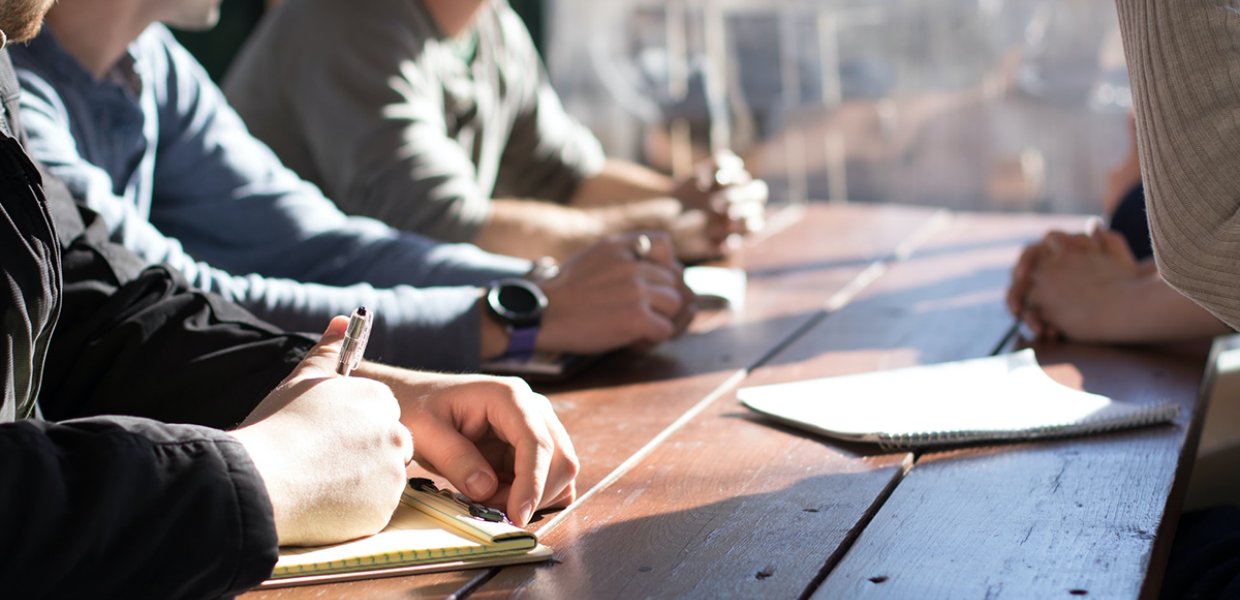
(521, 340)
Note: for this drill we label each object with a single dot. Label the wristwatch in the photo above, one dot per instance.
(518, 305)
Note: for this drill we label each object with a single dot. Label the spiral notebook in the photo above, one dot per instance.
(430, 531)
(1000, 398)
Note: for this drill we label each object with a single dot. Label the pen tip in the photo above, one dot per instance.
(361, 310)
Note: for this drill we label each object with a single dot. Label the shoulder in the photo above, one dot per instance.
(158, 48)
(336, 25)
(43, 70)
(513, 34)
(309, 36)
(40, 94)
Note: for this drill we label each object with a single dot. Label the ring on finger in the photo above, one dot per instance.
(642, 247)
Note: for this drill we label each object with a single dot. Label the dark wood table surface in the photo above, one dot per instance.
(686, 494)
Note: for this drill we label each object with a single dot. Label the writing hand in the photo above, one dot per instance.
(331, 450)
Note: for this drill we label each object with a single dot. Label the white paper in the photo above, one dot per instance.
(971, 400)
(718, 286)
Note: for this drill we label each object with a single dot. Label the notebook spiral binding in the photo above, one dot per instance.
(1154, 413)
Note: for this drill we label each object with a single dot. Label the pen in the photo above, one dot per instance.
(355, 338)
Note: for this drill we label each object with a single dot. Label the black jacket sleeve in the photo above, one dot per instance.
(129, 508)
(138, 341)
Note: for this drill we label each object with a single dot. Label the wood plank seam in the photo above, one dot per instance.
(473, 584)
(1152, 581)
(872, 511)
(633, 460)
(901, 253)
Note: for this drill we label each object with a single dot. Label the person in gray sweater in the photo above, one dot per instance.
(436, 116)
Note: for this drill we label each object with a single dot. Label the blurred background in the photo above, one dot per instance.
(1004, 105)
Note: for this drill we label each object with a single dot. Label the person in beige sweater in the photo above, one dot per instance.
(1103, 286)
(1184, 63)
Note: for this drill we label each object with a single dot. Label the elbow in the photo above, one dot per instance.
(1203, 278)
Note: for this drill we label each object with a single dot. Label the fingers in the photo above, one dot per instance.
(530, 468)
(1094, 230)
(560, 488)
(661, 252)
(405, 438)
(664, 300)
(1054, 243)
(1021, 273)
(688, 309)
(668, 304)
(499, 443)
(320, 361)
(457, 458)
(657, 275)
(721, 226)
(544, 462)
(658, 300)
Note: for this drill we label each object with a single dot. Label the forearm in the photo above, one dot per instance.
(432, 328)
(621, 182)
(1151, 311)
(533, 229)
(1182, 65)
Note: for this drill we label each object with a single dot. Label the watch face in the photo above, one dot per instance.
(517, 301)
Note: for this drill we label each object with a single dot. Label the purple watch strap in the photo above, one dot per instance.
(521, 341)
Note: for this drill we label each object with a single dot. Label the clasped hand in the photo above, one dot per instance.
(721, 202)
(1072, 285)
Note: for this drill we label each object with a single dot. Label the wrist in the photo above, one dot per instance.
(517, 305)
(265, 458)
(493, 335)
(655, 214)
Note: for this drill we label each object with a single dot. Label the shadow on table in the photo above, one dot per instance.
(761, 273)
(948, 319)
(772, 544)
(940, 315)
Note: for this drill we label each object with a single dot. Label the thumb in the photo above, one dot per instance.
(320, 361)
(452, 455)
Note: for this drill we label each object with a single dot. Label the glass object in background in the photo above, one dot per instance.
(970, 104)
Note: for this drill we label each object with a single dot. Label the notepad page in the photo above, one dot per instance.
(412, 537)
(975, 399)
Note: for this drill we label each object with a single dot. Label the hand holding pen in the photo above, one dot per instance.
(331, 450)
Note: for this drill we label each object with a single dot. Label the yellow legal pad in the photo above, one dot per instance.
(429, 532)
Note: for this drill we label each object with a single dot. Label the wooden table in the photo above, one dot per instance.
(686, 494)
